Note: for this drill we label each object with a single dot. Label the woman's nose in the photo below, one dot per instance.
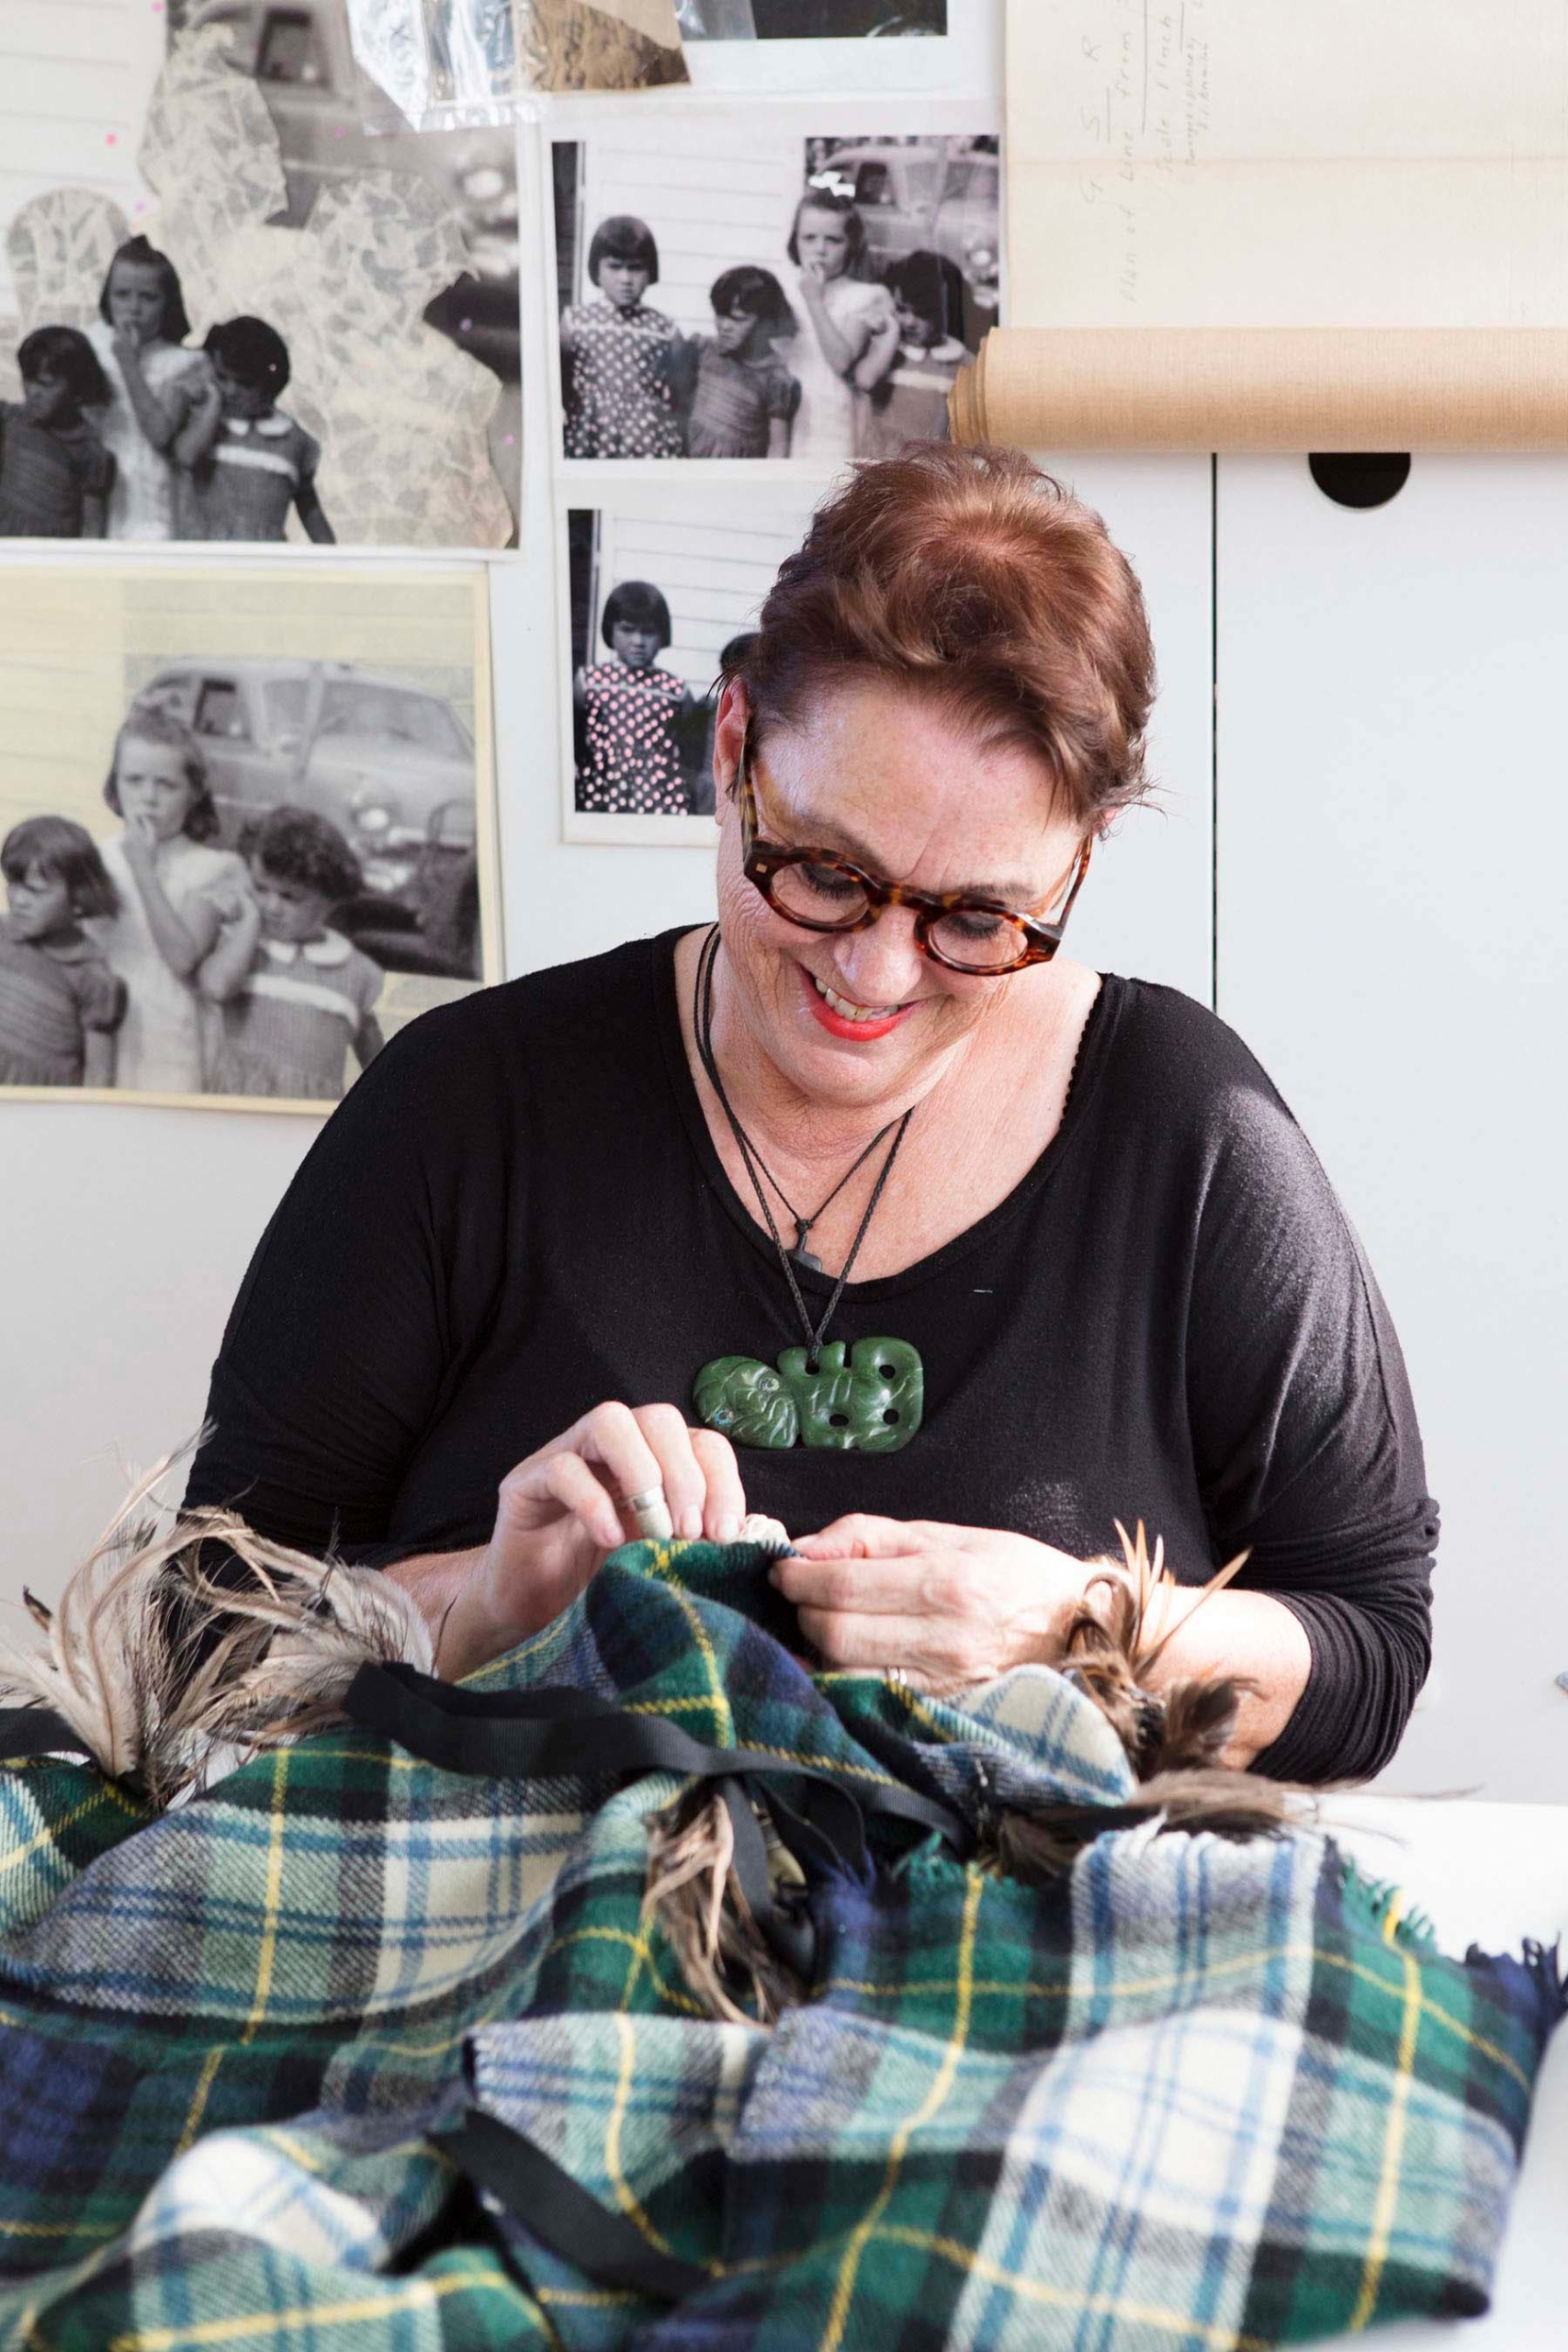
(882, 964)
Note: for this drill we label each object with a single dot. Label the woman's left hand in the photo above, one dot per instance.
(950, 1606)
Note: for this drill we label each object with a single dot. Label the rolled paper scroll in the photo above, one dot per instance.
(1267, 388)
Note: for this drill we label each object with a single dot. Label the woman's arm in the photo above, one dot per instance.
(1249, 1637)
(1305, 1436)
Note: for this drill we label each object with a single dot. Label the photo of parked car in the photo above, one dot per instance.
(932, 195)
(389, 763)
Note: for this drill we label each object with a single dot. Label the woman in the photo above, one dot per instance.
(1094, 1270)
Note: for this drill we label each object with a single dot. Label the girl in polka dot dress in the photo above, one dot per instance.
(632, 713)
(618, 356)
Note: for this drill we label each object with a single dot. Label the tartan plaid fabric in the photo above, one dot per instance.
(1202, 2093)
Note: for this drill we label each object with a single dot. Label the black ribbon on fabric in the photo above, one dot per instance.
(523, 1735)
(560, 1733)
(561, 2213)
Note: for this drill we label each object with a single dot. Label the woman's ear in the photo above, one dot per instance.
(729, 739)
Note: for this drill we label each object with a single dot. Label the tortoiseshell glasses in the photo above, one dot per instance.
(821, 890)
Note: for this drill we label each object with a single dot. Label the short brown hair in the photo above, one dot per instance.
(973, 576)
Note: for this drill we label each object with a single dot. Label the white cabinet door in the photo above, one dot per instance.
(1393, 860)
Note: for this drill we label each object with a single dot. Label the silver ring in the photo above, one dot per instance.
(651, 1512)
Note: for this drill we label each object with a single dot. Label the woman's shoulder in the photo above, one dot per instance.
(1180, 1072)
(504, 1058)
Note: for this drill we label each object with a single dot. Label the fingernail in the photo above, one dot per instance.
(729, 1531)
(691, 1524)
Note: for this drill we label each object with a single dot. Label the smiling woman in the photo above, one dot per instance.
(866, 1207)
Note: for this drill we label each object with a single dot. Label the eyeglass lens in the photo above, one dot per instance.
(821, 895)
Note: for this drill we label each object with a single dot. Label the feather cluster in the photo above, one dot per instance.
(183, 1644)
(1174, 1739)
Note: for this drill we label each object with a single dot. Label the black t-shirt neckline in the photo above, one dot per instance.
(1094, 1046)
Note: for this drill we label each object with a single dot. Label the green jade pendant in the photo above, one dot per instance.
(871, 1403)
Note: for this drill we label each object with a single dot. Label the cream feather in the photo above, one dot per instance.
(167, 1674)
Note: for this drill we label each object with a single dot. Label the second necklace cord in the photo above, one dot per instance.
(756, 1169)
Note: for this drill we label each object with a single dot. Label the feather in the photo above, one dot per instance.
(696, 1899)
(1174, 1739)
(165, 1671)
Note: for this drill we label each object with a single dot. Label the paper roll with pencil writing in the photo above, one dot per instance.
(1243, 228)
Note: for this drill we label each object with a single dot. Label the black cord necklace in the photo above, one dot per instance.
(871, 1403)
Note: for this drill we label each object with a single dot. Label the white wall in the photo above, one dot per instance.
(1392, 841)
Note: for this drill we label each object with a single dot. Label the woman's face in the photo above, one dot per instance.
(152, 785)
(136, 301)
(39, 901)
(624, 283)
(822, 240)
(889, 780)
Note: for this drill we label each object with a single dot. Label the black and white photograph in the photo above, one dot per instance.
(811, 19)
(246, 826)
(734, 295)
(656, 599)
(275, 326)
(429, 64)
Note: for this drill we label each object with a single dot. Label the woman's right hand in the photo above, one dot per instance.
(562, 1510)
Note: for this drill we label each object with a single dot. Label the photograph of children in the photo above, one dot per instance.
(655, 600)
(735, 295)
(229, 875)
(297, 331)
(808, 19)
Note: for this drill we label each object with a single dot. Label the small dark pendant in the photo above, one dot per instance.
(800, 1253)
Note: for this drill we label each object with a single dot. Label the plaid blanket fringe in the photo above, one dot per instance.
(1202, 2093)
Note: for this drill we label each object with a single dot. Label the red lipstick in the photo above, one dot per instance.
(858, 1032)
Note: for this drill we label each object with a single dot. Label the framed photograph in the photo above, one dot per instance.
(657, 591)
(277, 326)
(758, 292)
(247, 824)
(811, 19)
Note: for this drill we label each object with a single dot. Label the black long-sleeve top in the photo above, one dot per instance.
(518, 1213)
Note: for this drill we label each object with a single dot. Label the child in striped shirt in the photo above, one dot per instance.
(245, 462)
(294, 994)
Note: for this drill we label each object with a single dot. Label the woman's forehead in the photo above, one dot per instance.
(945, 814)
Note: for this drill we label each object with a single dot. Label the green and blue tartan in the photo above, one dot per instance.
(1202, 2094)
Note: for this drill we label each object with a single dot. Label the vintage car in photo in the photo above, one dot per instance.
(920, 195)
(390, 765)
